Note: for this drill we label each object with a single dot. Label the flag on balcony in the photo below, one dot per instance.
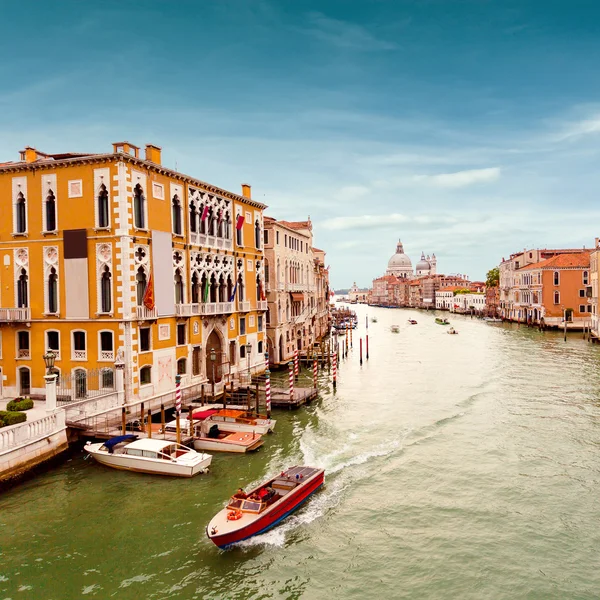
(148, 300)
(204, 213)
(232, 297)
(206, 290)
(239, 222)
(261, 293)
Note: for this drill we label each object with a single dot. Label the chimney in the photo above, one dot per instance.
(246, 190)
(153, 153)
(29, 155)
(126, 148)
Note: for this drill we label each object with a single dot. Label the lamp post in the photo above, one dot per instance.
(248, 351)
(50, 379)
(213, 358)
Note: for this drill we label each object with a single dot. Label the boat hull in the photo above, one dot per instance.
(215, 445)
(272, 517)
(150, 466)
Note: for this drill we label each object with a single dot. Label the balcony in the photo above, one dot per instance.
(79, 355)
(14, 315)
(244, 305)
(261, 305)
(23, 353)
(210, 241)
(215, 308)
(144, 314)
(107, 355)
(187, 310)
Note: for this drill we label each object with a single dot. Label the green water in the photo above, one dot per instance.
(457, 467)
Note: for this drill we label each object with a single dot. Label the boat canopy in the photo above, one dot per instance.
(203, 414)
(120, 438)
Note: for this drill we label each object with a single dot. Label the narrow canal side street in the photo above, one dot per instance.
(456, 466)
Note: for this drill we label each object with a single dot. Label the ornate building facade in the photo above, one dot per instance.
(108, 256)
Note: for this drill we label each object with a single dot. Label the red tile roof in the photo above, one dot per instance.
(577, 260)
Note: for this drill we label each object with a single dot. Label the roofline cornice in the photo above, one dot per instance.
(121, 156)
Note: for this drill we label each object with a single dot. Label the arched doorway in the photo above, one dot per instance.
(214, 343)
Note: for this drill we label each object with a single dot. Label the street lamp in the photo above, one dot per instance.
(213, 358)
(49, 359)
(248, 351)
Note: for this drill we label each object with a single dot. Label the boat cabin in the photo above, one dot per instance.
(148, 448)
(233, 416)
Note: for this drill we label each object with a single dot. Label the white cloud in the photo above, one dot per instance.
(461, 178)
(344, 34)
(385, 221)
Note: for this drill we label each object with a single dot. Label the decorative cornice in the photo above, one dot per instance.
(120, 156)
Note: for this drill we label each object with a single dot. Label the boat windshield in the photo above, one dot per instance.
(235, 502)
(252, 506)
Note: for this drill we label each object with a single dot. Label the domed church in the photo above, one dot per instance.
(400, 264)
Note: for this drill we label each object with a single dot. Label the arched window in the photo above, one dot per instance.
(240, 287)
(178, 287)
(195, 289)
(213, 288)
(50, 211)
(22, 290)
(103, 220)
(176, 210)
(21, 216)
(146, 375)
(107, 379)
(229, 288)
(205, 288)
(52, 291)
(139, 201)
(202, 219)
(220, 223)
(257, 235)
(140, 286)
(193, 218)
(222, 289)
(227, 226)
(182, 366)
(105, 291)
(212, 222)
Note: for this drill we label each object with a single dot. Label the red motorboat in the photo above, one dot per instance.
(264, 507)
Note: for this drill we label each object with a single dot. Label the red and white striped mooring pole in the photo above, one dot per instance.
(178, 394)
(296, 365)
(334, 370)
(291, 380)
(267, 386)
(315, 373)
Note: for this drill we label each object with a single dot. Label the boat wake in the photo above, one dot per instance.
(341, 472)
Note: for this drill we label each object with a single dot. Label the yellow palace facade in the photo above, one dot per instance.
(113, 257)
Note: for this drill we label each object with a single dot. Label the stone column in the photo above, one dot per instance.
(51, 391)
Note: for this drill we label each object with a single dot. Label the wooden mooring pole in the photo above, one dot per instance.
(124, 420)
(149, 423)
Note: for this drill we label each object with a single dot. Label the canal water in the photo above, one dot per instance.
(459, 466)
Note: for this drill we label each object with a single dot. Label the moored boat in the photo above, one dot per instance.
(492, 320)
(240, 420)
(149, 455)
(251, 514)
(214, 439)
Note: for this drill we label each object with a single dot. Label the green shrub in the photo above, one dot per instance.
(2, 423)
(12, 418)
(19, 404)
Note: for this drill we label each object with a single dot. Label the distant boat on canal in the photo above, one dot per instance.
(149, 455)
(395, 328)
(442, 321)
(412, 321)
(247, 515)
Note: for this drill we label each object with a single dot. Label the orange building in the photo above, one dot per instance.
(107, 256)
(553, 290)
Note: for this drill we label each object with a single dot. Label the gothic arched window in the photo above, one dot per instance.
(257, 236)
(50, 211)
(139, 201)
(52, 291)
(140, 286)
(240, 287)
(195, 289)
(178, 287)
(102, 200)
(176, 208)
(22, 290)
(193, 218)
(21, 214)
(105, 291)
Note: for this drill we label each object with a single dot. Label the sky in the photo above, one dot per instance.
(468, 128)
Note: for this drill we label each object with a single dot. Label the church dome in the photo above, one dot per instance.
(399, 263)
(423, 264)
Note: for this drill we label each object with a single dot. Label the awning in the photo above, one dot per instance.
(297, 296)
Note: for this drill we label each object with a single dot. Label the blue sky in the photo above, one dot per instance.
(468, 128)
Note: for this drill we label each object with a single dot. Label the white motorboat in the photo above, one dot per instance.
(492, 320)
(239, 420)
(211, 437)
(395, 329)
(149, 455)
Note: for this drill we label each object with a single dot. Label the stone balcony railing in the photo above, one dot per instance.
(210, 241)
(143, 313)
(24, 433)
(215, 308)
(244, 305)
(187, 310)
(261, 305)
(11, 315)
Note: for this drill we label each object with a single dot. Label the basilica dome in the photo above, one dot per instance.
(400, 264)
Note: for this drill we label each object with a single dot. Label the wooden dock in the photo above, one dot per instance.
(280, 397)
